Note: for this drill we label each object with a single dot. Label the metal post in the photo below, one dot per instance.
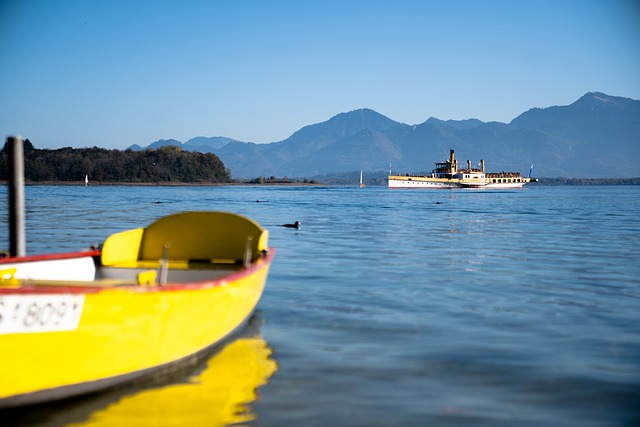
(17, 240)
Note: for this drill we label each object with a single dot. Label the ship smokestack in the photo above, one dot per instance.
(452, 160)
(468, 164)
(482, 165)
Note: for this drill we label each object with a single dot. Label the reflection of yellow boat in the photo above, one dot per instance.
(76, 323)
(218, 396)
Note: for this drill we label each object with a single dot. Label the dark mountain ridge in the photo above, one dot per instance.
(598, 136)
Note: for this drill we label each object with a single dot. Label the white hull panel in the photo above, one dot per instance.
(511, 185)
(393, 183)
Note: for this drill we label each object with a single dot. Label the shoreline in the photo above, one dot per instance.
(550, 182)
(166, 184)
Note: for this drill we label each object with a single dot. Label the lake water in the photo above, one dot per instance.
(400, 307)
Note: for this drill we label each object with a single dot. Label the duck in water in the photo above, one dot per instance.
(294, 225)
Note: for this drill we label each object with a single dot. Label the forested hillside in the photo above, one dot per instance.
(166, 164)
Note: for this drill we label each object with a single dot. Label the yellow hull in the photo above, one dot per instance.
(122, 331)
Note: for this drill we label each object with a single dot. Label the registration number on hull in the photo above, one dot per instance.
(40, 313)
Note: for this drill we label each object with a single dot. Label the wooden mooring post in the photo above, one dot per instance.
(17, 239)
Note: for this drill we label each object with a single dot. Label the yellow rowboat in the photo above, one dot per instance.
(151, 297)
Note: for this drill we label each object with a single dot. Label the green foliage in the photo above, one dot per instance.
(274, 180)
(167, 164)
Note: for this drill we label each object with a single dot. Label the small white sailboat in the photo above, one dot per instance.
(361, 183)
(86, 180)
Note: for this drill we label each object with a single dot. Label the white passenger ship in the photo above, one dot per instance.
(448, 175)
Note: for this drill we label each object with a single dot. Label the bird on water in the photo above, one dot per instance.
(294, 225)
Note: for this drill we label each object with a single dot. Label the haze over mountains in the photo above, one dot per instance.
(598, 136)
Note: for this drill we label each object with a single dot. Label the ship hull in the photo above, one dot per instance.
(421, 182)
(395, 181)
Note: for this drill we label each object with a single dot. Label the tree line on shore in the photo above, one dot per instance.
(589, 181)
(166, 164)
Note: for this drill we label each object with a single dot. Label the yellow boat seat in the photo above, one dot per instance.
(122, 248)
(190, 236)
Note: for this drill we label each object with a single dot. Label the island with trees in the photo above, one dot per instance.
(165, 165)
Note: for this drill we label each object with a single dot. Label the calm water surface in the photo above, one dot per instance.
(390, 307)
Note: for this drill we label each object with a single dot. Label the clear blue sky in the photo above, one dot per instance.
(116, 73)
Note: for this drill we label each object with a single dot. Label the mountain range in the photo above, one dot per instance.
(598, 136)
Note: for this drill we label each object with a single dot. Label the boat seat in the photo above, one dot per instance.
(122, 248)
(215, 237)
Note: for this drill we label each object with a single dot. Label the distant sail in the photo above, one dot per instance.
(86, 180)
(361, 183)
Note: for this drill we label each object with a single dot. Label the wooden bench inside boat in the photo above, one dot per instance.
(192, 242)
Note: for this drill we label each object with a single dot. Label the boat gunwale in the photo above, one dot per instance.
(51, 257)
(95, 287)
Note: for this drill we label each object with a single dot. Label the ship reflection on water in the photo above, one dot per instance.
(217, 391)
